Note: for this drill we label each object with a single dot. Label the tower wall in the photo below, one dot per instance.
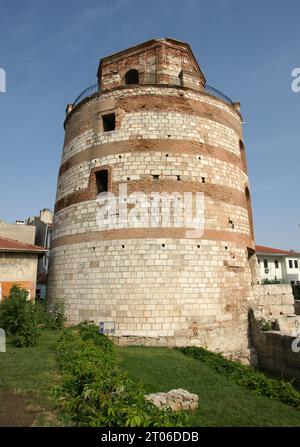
(156, 284)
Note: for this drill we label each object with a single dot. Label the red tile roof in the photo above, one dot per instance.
(274, 251)
(17, 246)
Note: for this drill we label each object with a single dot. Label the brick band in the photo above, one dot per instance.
(218, 192)
(157, 145)
(239, 239)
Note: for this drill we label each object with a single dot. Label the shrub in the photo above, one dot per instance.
(19, 317)
(96, 392)
(25, 320)
(266, 325)
(247, 376)
(55, 317)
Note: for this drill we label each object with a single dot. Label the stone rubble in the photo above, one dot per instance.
(177, 400)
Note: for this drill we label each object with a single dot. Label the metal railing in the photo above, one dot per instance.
(151, 80)
(214, 92)
(91, 90)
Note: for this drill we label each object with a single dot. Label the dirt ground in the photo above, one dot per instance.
(16, 410)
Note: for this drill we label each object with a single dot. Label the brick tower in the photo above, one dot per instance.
(152, 124)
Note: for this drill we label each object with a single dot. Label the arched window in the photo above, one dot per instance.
(132, 77)
(243, 156)
(249, 209)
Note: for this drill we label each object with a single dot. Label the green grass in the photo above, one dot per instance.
(33, 371)
(29, 370)
(221, 402)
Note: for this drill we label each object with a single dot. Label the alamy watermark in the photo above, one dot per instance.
(296, 82)
(2, 340)
(295, 346)
(2, 80)
(154, 210)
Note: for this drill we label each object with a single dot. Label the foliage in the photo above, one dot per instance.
(55, 317)
(247, 376)
(266, 281)
(25, 320)
(19, 317)
(96, 392)
(266, 325)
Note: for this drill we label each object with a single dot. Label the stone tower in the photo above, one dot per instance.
(151, 124)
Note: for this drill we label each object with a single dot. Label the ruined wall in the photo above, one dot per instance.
(273, 300)
(272, 350)
(157, 285)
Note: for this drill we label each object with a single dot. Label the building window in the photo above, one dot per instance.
(109, 122)
(243, 155)
(290, 264)
(132, 77)
(102, 180)
(266, 265)
(296, 264)
(276, 264)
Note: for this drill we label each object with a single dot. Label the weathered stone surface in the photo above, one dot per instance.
(272, 350)
(177, 400)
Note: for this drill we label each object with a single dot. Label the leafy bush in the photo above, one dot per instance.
(96, 392)
(247, 376)
(24, 320)
(55, 317)
(19, 317)
(266, 325)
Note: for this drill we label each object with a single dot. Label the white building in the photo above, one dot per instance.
(278, 265)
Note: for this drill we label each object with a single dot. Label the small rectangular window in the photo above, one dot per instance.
(296, 264)
(109, 122)
(266, 263)
(276, 264)
(290, 264)
(102, 180)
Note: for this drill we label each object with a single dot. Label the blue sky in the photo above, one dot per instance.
(51, 49)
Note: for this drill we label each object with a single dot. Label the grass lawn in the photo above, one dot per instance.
(221, 402)
(29, 372)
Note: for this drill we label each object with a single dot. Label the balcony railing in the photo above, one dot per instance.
(214, 92)
(151, 80)
(91, 90)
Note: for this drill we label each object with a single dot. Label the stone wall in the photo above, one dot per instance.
(274, 352)
(273, 300)
(275, 303)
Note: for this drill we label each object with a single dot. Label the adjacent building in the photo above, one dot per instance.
(280, 266)
(43, 234)
(18, 258)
